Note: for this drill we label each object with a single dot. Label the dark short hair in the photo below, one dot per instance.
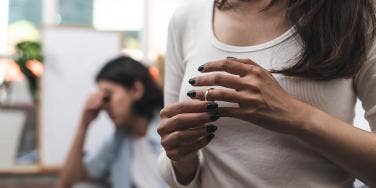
(336, 35)
(126, 71)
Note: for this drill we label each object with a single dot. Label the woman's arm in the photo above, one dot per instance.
(349, 147)
(263, 102)
(74, 169)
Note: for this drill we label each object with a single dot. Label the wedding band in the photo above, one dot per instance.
(206, 93)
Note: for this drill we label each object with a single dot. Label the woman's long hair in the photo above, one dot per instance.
(336, 35)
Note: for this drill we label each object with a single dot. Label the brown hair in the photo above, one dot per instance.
(336, 35)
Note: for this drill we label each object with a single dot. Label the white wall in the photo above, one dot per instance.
(73, 57)
(118, 14)
(158, 17)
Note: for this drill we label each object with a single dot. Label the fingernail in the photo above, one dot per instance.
(229, 57)
(192, 81)
(210, 137)
(212, 106)
(211, 128)
(191, 94)
(201, 68)
(214, 116)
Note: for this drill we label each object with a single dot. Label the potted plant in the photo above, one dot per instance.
(29, 58)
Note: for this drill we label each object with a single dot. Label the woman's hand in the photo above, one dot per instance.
(261, 99)
(263, 102)
(183, 132)
(183, 128)
(93, 106)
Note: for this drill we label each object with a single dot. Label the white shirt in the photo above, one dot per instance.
(243, 154)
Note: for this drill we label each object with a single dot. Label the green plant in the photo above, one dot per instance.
(25, 51)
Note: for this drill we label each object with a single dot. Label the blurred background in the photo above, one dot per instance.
(50, 51)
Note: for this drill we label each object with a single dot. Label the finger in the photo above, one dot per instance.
(245, 61)
(98, 101)
(256, 69)
(244, 67)
(220, 79)
(255, 66)
(191, 120)
(186, 121)
(228, 65)
(217, 95)
(194, 106)
(186, 137)
(226, 95)
(92, 102)
(179, 153)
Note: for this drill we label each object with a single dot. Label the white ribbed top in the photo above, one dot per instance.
(243, 154)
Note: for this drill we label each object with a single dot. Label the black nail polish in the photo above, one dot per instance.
(212, 106)
(201, 68)
(192, 81)
(191, 94)
(210, 137)
(229, 57)
(211, 128)
(214, 116)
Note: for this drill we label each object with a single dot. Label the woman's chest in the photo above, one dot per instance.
(335, 97)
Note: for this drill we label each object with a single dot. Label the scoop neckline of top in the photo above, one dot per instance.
(232, 48)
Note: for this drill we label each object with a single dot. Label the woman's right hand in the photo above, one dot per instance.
(183, 132)
(93, 106)
(183, 128)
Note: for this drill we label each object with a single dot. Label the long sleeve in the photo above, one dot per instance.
(174, 70)
(365, 87)
(173, 79)
(169, 175)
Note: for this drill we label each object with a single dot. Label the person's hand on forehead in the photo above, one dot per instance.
(106, 93)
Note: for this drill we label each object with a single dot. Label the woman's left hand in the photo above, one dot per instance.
(261, 99)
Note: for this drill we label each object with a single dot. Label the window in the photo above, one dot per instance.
(29, 10)
(76, 12)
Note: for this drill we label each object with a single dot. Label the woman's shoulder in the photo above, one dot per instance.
(189, 11)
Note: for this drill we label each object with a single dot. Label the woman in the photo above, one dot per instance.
(128, 159)
(292, 128)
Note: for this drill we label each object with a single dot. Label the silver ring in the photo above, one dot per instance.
(206, 93)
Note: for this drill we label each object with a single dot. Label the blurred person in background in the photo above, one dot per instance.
(132, 99)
